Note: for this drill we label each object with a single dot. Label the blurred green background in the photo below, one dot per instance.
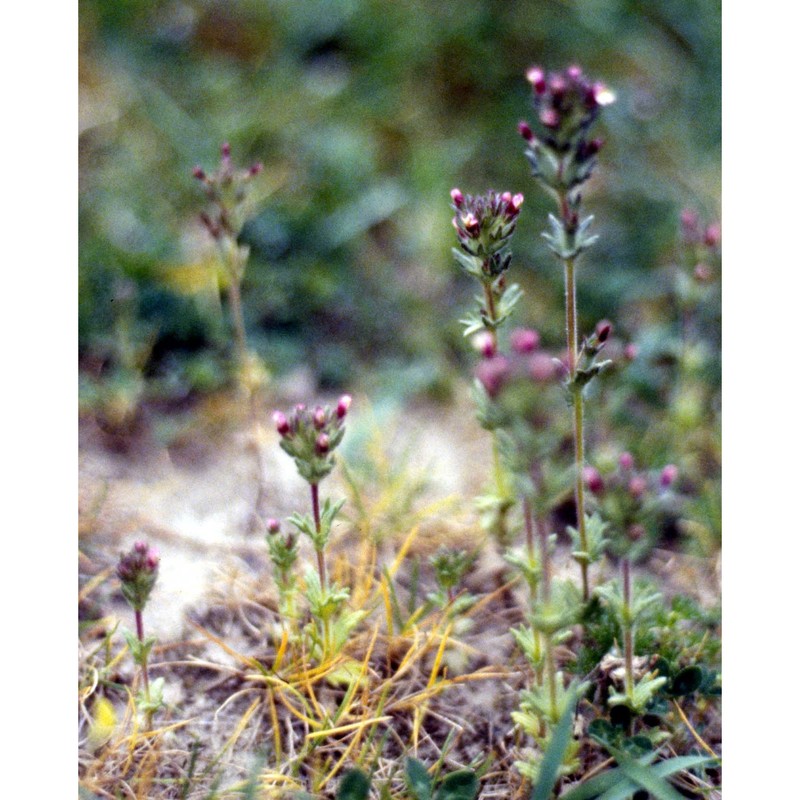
(366, 113)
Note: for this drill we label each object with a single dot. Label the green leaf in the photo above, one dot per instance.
(604, 783)
(354, 785)
(645, 777)
(602, 731)
(417, 779)
(554, 755)
(688, 680)
(459, 785)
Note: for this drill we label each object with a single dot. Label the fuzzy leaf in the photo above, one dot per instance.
(688, 680)
(354, 785)
(459, 785)
(418, 781)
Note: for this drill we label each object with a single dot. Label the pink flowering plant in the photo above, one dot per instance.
(310, 437)
(562, 159)
(230, 203)
(137, 571)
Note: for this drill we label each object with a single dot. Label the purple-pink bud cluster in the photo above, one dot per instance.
(137, 571)
(491, 216)
(566, 103)
(525, 363)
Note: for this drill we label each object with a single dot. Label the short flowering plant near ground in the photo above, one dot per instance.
(526, 643)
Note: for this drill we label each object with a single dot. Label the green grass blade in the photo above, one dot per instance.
(645, 777)
(605, 782)
(548, 773)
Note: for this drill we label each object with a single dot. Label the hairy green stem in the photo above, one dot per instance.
(577, 409)
(628, 627)
(323, 575)
(140, 634)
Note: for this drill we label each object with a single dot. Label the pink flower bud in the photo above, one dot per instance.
(690, 219)
(484, 342)
(319, 418)
(603, 330)
(593, 147)
(524, 340)
(516, 201)
(199, 173)
(536, 77)
(256, 168)
(702, 273)
(637, 486)
(712, 235)
(542, 367)
(525, 131)
(470, 222)
(281, 423)
(323, 444)
(668, 475)
(225, 150)
(602, 95)
(593, 480)
(574, 72)
(140, 547)
(152, 559)
(626, 460)
(630, 351)
(506, 197)
(558, 86)
(343, 406)
(457, 197)
(273, 526)
(550, 118)
(493, 373)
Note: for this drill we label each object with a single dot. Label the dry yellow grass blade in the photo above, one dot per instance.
(93, 583)
(276, 730)
(699, 739)
(352, 726)
(243, 659)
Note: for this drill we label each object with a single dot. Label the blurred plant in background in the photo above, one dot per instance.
(364, 115)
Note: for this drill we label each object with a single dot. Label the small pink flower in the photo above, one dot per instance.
(603, 330)
(626, 460)
(637, 486)
(485, 344)
(630, 351)
(281, 423)
(525, 131)
(536, 77)
(712, 235)
(273, 526)
(668, 475)
(593, 480)
(323, 444)
(524, 340)
(550, 118)
(542, 367)
(458, 197)
(493, 373)
(343, 406)
(319, 418)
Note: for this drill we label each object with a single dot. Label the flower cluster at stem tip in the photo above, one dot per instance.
(226, 188)
(138, 571)
(310, 437)
(484, 225)
(566, 104)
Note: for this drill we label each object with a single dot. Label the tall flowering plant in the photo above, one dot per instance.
(562, 157)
